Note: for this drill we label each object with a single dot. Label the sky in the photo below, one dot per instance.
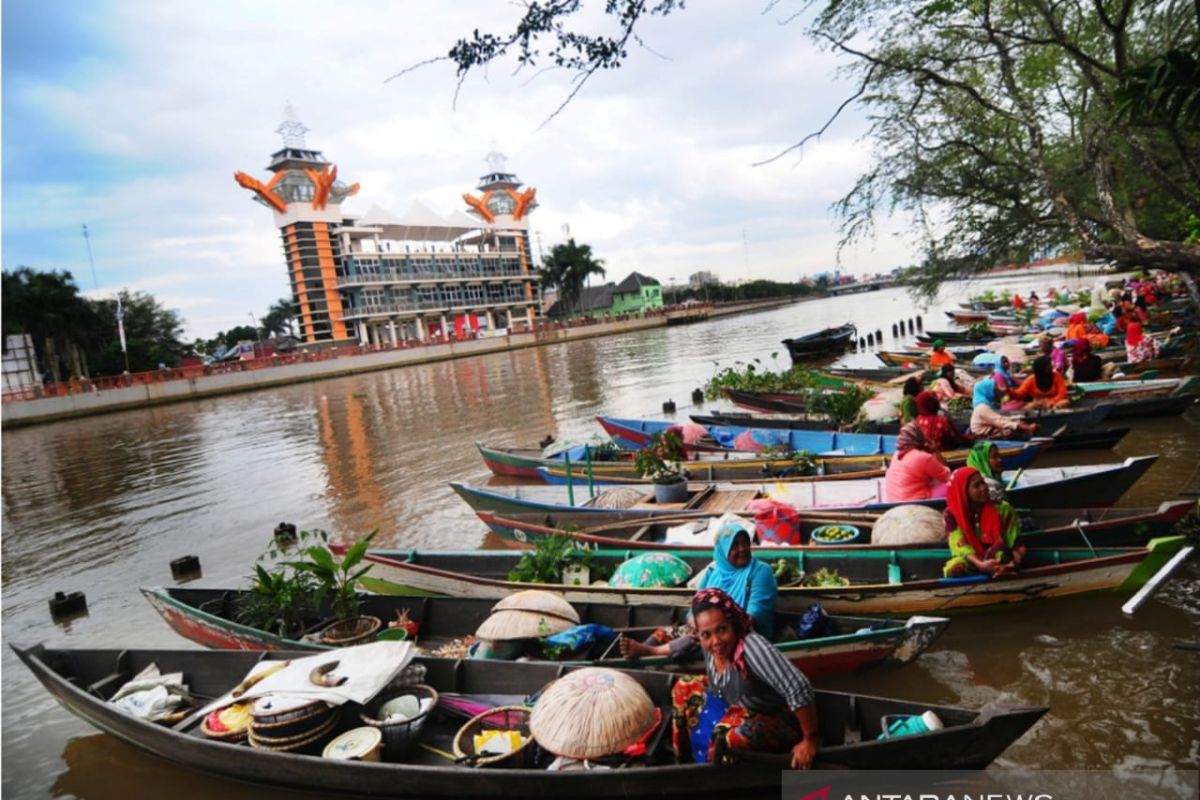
(131, 116)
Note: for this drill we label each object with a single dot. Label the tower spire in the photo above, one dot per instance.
(292, 129)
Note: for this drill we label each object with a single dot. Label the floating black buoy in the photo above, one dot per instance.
(549, 440)
(65, 605)
(697, 396)
(669, 407)
(911, 326)
(870, 338)
(285, 533)
(894, 331)
(920, 323)
(879, 336)
(185, 567)
(862, 343)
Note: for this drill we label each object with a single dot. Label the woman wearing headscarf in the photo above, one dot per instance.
(1045, 388)
(765, 704)
(1078, 327)
(1138, 346)
(916, 472)
(982, 534)
(940, 434)
(947, 387)
(986, 419)
(985, 459)
(1085, 365)
(939, 357)
(735, 571)
(908, 400)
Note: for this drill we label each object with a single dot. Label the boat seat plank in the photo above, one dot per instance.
(735, 501)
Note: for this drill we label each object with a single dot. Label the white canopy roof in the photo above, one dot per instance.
(419, 223)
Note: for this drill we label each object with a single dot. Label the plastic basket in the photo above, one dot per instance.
(400, 736)
(819, 535)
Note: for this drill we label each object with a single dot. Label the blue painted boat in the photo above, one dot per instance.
(634, 434)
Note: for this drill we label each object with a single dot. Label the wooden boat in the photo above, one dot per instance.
(967, 316)
(825, 342)
(1095, 527)
(1083, 437)
(634, 434)
(82, 680)
(207, 616)
(1054, 487)
(1046, 572)
(1158, 387)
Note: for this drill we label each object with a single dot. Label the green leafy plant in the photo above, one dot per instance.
(337, 579)
(546, 561)
(806, 462)
(958, 404)
(279, 601)
(842, 407)
(826, 577)
(750, 378)
(660, 460)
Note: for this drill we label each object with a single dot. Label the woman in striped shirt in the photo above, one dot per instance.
(768, 703)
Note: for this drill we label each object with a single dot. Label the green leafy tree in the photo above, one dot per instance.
(1005, 129)
(153, 334)
(279, 317)
(568, 267)
(61, 323)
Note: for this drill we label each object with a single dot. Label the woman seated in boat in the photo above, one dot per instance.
(908, 399)
(735, 571)
(947, 386)
(940, 433)
(916, 471)
(939, 357)
(1045, 388)
(1138, 346)
(1085, 365)
(1078, 327)
(986, 419)
(768, 705)
(982, 534)
(985, 459)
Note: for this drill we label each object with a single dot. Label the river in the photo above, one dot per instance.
(104, 504)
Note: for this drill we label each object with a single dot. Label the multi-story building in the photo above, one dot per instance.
(381, 278)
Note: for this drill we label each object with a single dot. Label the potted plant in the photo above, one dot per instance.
(281, 600)
(659, 462)
(337, 585)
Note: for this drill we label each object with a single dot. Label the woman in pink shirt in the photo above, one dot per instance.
(915, 473)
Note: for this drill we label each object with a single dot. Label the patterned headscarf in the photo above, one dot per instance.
(910, 438)
(927, 404)
(741, 621)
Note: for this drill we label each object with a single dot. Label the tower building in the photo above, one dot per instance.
(382, 279)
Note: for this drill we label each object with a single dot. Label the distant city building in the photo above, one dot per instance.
(636, 294)
(701, 279)
(381, 278)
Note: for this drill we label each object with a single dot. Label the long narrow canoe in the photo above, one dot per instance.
(827, 468)
(82, 680)
(1046, 572)
(1053, 487)
(824, 342)
(1103, 527)
(635, 434)
(207, 616)
(1077, 437)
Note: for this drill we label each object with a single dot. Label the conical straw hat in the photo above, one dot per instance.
(590, 713)
(512, 623)
(541, 601)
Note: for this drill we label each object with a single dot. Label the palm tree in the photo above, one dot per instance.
(279, 317)
(48, 307)
(568, 267)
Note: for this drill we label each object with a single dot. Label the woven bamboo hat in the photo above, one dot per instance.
(541, 601)
(512, 623)
(590, 713)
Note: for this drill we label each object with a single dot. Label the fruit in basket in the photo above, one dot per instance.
(835, 533)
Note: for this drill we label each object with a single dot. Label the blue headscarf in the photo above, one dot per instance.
(744, 584)
(985, 393)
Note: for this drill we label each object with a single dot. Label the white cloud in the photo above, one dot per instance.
(651, 164)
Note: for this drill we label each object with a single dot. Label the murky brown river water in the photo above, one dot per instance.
(104, 504)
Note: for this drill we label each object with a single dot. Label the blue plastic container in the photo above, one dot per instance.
(816, 537)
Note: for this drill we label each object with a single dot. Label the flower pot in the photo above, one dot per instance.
(676, 492)
(351, 631)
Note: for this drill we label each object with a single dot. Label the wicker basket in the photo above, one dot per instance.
(351, 631)
(233, 737)
(398, 737)
(310, 739)
(508, 718)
